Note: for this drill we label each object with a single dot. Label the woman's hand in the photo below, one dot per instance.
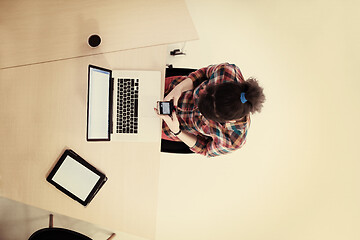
(175, 94)
(171, 121)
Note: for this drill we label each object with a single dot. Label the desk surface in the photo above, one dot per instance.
(41, 30)
(43, 112)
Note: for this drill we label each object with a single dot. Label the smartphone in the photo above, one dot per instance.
(165, 107)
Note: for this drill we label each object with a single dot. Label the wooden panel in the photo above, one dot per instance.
(41, 30)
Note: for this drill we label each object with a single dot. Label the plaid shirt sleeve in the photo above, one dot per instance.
(200, 75)
(222, 140)
(215, 73)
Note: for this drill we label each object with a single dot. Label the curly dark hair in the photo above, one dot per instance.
(223, 103)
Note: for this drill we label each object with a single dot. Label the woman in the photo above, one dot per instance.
(212, 109)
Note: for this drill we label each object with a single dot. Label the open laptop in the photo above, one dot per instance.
(121, 105)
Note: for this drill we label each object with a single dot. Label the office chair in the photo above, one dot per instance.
(52, 233)
(168, 145)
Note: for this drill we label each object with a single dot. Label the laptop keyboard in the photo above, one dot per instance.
(127, 106)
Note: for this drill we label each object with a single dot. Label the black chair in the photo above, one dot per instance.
(52, 233)
(173, 146)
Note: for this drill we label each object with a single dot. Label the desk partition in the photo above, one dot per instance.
(39, 31)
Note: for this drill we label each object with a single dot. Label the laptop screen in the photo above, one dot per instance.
(98, 121)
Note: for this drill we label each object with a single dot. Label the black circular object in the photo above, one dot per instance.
(94, 40)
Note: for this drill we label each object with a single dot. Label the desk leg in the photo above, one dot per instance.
(112, 236)
(51, 221)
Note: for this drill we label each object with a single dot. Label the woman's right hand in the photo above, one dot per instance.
(175, 94)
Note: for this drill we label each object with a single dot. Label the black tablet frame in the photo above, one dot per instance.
(76, 157)
(111, 87)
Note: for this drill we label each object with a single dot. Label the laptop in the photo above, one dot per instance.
(121, 105)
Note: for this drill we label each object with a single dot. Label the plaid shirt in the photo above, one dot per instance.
(213, 138)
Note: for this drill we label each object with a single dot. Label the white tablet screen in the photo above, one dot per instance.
(98, 118)
(75, 178)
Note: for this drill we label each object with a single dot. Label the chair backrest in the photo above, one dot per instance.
(170, 72)
(57, 234)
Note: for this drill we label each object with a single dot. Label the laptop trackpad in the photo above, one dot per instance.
(147, 105)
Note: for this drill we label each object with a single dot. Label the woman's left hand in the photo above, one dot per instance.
(171, 121)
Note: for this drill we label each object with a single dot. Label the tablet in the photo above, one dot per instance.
(76, 178)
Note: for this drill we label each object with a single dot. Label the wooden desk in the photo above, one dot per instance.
(43, 111)
(42, 30)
